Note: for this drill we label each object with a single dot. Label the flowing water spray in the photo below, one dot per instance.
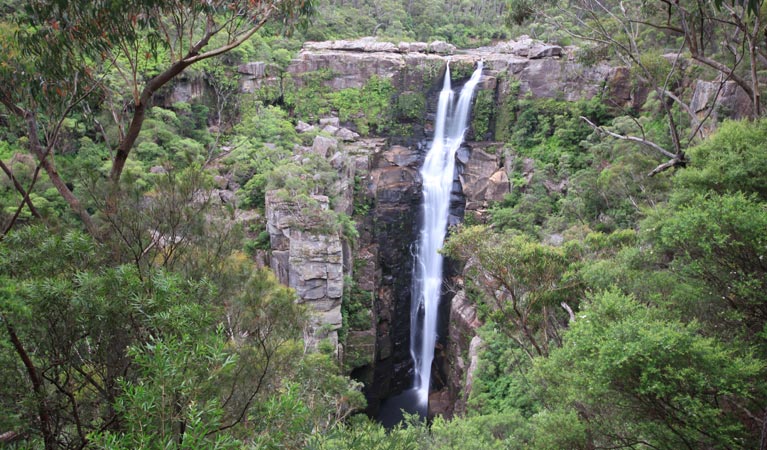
(437, 174)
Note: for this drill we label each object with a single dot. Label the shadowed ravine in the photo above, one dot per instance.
(437, 175)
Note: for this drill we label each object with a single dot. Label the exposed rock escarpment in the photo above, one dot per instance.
(308, 260)
(383, 178)
(543, 70)
(395, 187)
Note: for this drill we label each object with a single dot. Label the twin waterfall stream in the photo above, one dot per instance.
(437, 175)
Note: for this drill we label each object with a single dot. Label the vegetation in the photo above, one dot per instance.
(622, 283)
(626, 339)
(462, 23)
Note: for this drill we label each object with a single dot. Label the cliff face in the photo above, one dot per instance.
(362, 291)
(382, 177)
(309, 261)
(395, 187)
(544, 71)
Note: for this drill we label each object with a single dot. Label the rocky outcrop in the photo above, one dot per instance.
(395, 187)
(373, 45)
(484, 178)
(462, 350)
(725, 99)
(256, 76)
(542, 70)
(186, 89)
(308, 260)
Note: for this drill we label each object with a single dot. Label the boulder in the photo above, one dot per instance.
(539, 51)
(346, 135)
(483, 180)
(303, 127)
(360, 348)
(474, 348)
(394, 184)
(402, 156)
(542, 78)
(330, 129)
(323, 145)
(350, 69)
(558, 187)
(440, 404)
(731, 98)
(186, 90)
(441, 48)
(462, 349)
(418, 47)
(619, 87)
(365, 44)
(332, 121)
(254, 69)
(521, 47)
(227, 197)
(221, 182)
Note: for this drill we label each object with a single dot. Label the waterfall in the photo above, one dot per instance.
(437, 174)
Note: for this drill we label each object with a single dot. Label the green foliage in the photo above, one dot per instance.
(168, 330)
(368, 107)
(526, 210)
(356, 306)
(641, 376)
(550, 130)
(261, 242)
(311, 100)
(496, 431)
(464, 24)
(719, 241)
(411, 106)
(502, 383)
(171, 403)
(529, 280)
(264, 140)
(732, 160)
(661, 371)
(361, 433)
(483, 114)
(264, 124)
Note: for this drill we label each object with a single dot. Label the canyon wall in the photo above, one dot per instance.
(360, 291)
(387, 185)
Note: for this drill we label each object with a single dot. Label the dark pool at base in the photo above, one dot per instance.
(390, 414)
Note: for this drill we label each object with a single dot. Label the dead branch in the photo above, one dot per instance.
(636, 139)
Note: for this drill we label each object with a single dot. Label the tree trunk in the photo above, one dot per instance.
(20, 189)
(43, 410)
(47, 164)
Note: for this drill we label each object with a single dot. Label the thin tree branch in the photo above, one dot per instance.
(638, 140)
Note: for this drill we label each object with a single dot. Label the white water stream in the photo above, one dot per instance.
(437, 174)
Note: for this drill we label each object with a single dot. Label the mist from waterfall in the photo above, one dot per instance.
(437, 175)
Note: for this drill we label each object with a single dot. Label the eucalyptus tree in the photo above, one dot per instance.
(64, 56)
(725, 39)
(526, 287)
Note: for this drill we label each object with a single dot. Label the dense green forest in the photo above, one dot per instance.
(622, 289)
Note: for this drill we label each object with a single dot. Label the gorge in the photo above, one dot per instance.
(437, 175)
(383, 174)
(387, 175)
(238, 224)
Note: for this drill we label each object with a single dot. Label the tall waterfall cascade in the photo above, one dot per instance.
(437, 175)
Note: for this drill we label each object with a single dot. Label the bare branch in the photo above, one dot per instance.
(569, 311)
(638, 140)
(667, 165)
